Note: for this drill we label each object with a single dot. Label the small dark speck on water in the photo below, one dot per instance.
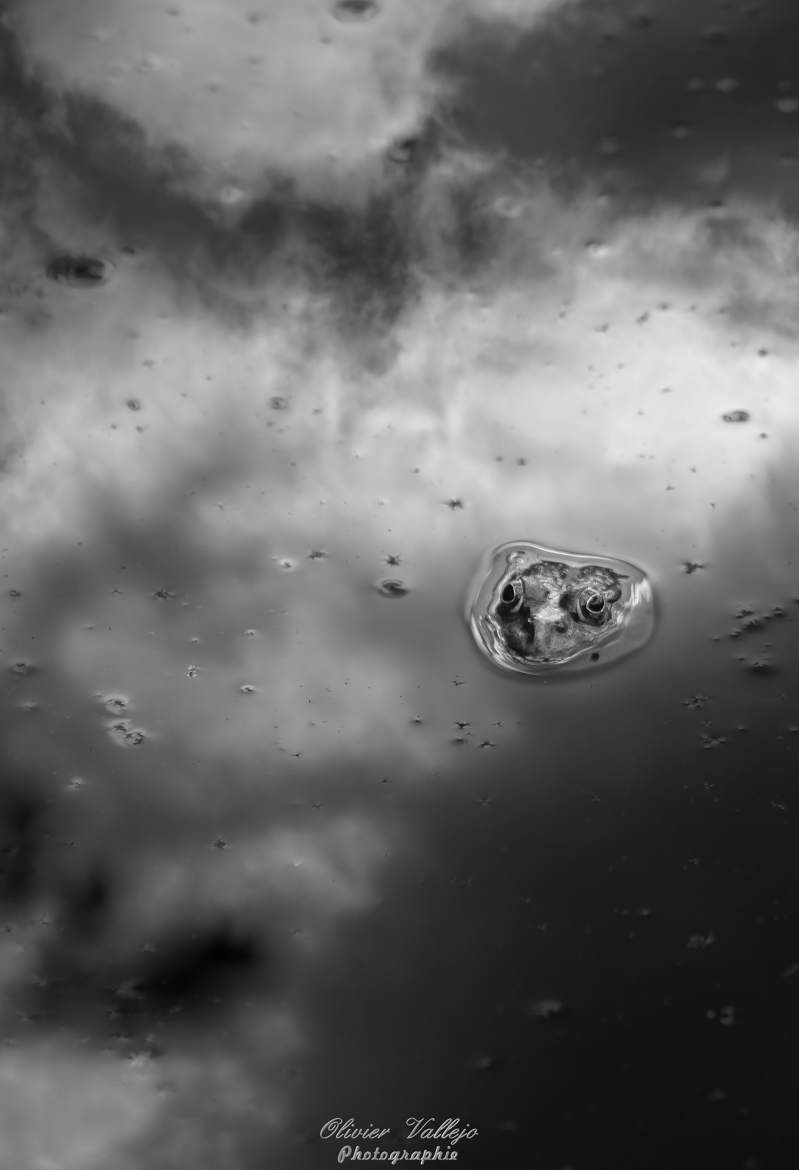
(125, 735)
(115, 704)
(392, 559)
(163, 594)
(760, 666)
(351, 10)
(78, 271)
(403, 150)
(317, 554)
(453, 504)
(133, 404)
(696, 702)
(278, 402)
(392, 587)
(692, 566)
(736, 416)
(713, 741)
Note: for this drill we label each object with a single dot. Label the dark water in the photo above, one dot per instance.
(303, 310)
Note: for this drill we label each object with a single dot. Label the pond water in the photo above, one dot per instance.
(305, 310)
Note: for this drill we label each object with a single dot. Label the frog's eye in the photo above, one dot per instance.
(511, 598)
(592, 607)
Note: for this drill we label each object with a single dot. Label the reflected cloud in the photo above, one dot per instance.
(203, 77)
(66, 1107)
(575, 345)
(248, 428)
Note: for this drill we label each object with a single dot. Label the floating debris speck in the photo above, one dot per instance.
(402, 152)
(392, 587)
(115, 704)
(354, 10)
(78, 271)
(124, 734)
(736, 416)
(712, 741)
(759, 666)
(696, 702)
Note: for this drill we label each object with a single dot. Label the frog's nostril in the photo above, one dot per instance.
(560, 627)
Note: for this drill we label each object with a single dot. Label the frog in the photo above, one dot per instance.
(541, 611)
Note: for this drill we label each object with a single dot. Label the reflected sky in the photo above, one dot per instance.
(377, 296)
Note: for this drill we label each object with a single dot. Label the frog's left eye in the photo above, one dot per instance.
(592, 606)
(511, 598)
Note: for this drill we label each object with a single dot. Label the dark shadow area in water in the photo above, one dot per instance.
(22, 824)
(593, 93)
(160, 992)
(626, 883)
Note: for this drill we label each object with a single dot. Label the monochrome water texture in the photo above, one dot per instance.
(307, 308)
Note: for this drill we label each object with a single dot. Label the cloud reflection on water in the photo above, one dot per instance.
(559, 364)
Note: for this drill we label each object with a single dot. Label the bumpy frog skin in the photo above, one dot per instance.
(541, 611)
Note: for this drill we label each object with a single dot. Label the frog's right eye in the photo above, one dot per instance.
(511, 598)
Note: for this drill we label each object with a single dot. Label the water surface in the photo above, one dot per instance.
(302, 314)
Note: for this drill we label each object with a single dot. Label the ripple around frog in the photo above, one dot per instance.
(630, 627)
